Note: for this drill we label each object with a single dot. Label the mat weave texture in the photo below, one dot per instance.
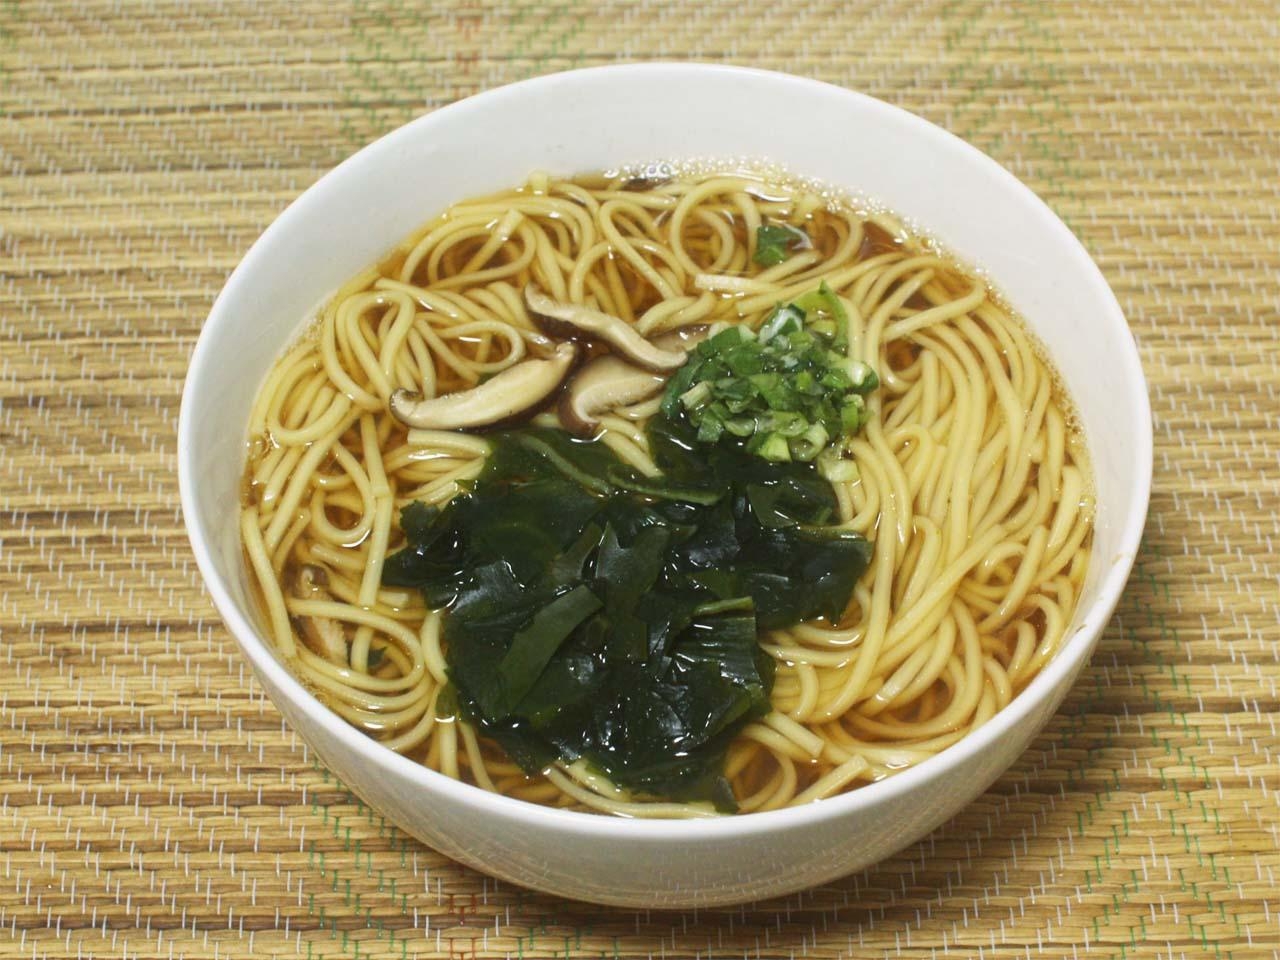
(152, 801)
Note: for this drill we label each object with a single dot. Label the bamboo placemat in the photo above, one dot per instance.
(153, 803)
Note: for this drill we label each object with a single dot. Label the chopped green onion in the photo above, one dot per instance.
(810, 444)
(835, 469)
(774, 241)
(862, 377)
(771, 446)
(827, 305)
(789, 424)
(786, 391)
(788, 319)
(696, 395)
(710, 429)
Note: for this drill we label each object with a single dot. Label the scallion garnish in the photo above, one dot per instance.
(786, 392)
(774, 243)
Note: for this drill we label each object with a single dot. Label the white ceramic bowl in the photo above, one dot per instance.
(595, 119)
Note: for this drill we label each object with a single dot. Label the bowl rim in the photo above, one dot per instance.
(1071, 657)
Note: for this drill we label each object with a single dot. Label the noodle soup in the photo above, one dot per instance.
(569, 339)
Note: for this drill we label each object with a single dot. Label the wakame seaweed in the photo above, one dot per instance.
(597, 614)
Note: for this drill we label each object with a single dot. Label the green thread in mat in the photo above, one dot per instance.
(330, 878)
(368, 85)
(1057, 170)
(396, 45)
(9, 11)
(974, 72)
(1143, 587)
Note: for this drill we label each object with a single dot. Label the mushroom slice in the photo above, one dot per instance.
(683, 338)
(322, 634)
(518, 390)
(609, 382)
(604, 384)
(571, 319)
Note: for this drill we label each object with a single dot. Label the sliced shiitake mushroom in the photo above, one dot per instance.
(519, 390)
(575, 320)
(604, 384)
(683, 338)
(610, 382)
(323, 635)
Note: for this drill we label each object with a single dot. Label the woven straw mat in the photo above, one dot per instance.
(152, 801)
